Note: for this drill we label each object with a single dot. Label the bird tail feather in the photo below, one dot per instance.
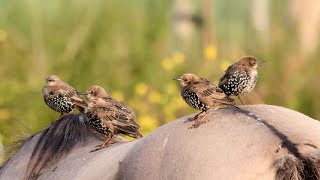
(129, 131)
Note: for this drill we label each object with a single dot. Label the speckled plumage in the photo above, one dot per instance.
(240, 78)
(193, 100)
(60, 103)
(99, 92)
(109, 116)
(202, 94)
(60, 96)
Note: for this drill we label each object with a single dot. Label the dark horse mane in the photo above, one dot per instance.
(56, 141)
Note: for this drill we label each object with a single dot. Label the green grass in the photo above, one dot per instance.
(125, 46)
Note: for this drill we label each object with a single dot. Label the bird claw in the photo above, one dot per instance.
(101, 146)
(202, 122)
(189, 120)
(195, 125)
(98, 147)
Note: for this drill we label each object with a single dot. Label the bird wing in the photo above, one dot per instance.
(104, 114)
(230, 71)
(122, 107)
(67, 90)
(121, 122)
(226, 75)
(73, 94)
(209, 93)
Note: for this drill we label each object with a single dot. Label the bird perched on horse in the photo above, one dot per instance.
(240, 78)
(61, 97)
(109, 116)
(202, 94)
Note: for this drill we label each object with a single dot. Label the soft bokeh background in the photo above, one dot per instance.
(135, 48)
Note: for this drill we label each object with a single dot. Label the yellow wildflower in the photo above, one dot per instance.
(167, 64)
(210, 53)
(148, 122)
(141, 89)
(155, 97)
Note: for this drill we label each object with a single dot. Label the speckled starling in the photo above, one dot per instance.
(61, 97)
(202, 94)
(109, 116)
(240, 78)
(98, 91)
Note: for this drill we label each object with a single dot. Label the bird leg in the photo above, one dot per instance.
(240, 100)
(197, 122)
(103, 145)
(194, 118)
(106, 142)
(202, 121)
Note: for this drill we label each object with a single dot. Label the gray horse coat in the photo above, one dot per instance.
(254, 142)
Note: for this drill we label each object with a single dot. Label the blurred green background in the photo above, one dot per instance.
(134, 48)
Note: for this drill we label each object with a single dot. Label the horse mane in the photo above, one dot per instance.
(18, 140)
(289, 167)
(57, 141)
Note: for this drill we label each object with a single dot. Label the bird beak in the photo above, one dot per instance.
(261, 62)
(84, 93)
(177, 79)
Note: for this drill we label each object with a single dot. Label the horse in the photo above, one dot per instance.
(248, 142)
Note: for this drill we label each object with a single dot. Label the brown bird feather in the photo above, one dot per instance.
(61, 97)
(202, 94)
(98, 91)
(240, 78)
(109, 116)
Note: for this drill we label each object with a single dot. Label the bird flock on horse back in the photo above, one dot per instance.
(110, 117)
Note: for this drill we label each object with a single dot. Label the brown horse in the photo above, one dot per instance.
(253, 142)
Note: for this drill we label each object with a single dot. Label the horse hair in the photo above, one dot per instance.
(57, 141)
(289, 167)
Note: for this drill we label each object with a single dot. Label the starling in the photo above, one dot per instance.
(240, 78)
(97, 91)
(109, 116)
(61, 97)
(202, 94)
